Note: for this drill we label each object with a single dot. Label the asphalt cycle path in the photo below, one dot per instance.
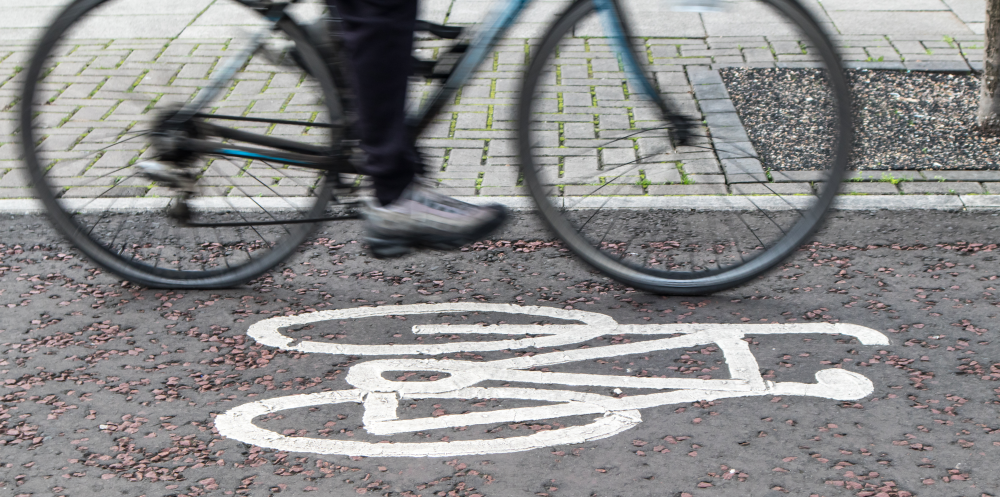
(865, 366)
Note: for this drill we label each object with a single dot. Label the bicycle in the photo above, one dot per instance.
(381, 397)
(181, 175)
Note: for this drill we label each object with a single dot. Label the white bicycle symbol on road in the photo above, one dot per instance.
(381, 397)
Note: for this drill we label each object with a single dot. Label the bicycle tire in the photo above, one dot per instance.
(640, 270)
(147, 271)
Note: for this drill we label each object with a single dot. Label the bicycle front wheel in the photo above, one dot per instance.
(106, 164)
(770, 145)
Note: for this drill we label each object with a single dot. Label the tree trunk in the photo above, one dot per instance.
(989, 99)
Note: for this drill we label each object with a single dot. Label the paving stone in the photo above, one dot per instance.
(710, 91)
(500, 176)
(617, 155)
(735, 150)
(771, 189)
(729, 134)
(662, 173)
(505, 191)
(878, 175)
(17, 193)
(933, 175)
(723, 119)
(707, 178)
(718, 105)
(17, 178)
(797, 176)
(942, 187)
(701, 166)
(733, 167)
(938, 65)
(695, 189)
(992, 187)
(613, 189)
(912, 23)
(868, 188)
(887, 66)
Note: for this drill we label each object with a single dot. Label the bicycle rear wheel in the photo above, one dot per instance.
(769, 150)
(93, 115)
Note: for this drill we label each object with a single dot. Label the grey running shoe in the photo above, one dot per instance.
(423, 218)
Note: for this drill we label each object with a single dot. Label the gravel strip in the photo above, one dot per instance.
(903, 120)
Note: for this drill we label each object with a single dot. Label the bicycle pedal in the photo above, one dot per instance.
(282, 54)
(166, 175)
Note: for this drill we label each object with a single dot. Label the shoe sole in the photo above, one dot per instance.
(388, 248)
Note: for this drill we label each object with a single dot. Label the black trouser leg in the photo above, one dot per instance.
(379, 38)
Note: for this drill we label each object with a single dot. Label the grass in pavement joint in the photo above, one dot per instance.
(447, 157)
(479, 182)
(631, 118)
(685, 178)
(454, 123)
(889, 178)
(115, 107)
(267, 83)
(138, 80)
(98, 87)
(562, 135)
(486, 153)
(55, 97)
(13, 103)
(643, 181)
(625, 89)
(489, 116)
(68, 117)
(17, 70)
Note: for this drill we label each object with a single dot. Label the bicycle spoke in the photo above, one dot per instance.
(89, 137)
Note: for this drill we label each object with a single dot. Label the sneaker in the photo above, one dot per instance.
(423, 218)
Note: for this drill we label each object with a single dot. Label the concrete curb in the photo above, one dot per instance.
(695, 202)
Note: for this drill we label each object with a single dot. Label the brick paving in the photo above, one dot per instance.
(471, 149)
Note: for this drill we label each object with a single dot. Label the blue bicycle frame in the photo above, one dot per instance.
(494, 28)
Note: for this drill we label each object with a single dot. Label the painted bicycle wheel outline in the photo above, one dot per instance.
(380, 397)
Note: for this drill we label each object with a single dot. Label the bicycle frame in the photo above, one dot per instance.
(497, 24)
(285, 151)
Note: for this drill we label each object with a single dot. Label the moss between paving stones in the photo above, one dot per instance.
(903, 120)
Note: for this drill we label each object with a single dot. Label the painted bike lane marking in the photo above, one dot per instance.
(380, 397)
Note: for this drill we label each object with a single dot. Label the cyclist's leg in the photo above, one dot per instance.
(379, 38)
